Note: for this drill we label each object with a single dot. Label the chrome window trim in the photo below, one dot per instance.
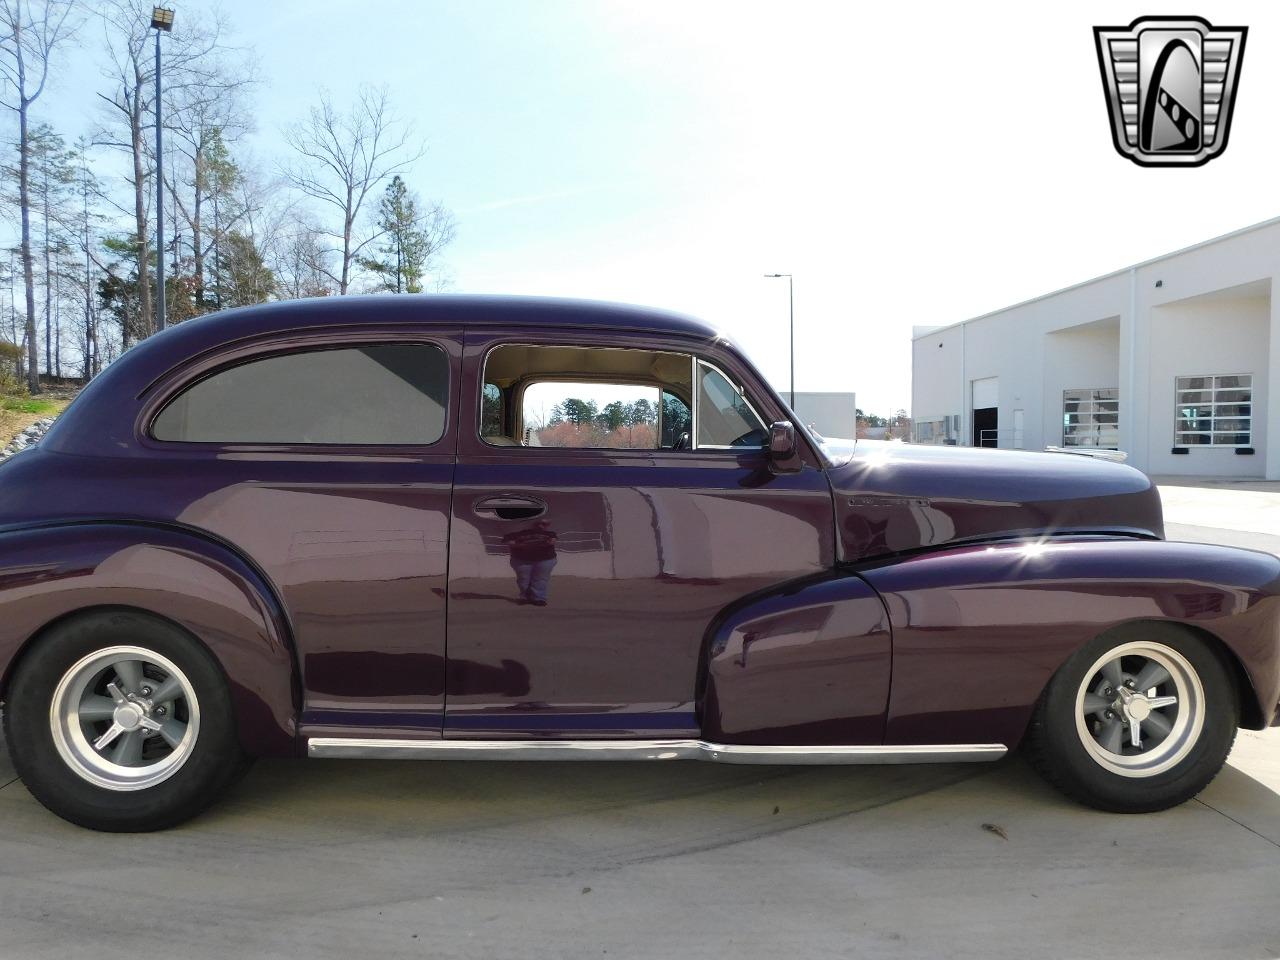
(392, 749)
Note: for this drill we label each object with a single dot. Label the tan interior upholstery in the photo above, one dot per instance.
(515, 364)
(511, 364)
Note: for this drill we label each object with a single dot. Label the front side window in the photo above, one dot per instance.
(724, 417)
(612, 398)
(375, 394)
(1213, 411)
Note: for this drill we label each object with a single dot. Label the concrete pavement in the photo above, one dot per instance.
(332, 859)
(482, 860)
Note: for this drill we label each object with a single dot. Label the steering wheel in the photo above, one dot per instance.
(752, 438)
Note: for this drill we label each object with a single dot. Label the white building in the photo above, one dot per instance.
(1170, 360)
(832, 414)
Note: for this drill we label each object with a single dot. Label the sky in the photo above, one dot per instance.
(908, 164)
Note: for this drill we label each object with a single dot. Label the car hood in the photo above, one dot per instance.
(895, 497)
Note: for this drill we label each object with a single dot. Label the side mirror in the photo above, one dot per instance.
(783, 454)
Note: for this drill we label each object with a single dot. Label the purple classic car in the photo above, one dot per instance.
(489, 528)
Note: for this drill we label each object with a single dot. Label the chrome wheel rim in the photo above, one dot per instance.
(124, 718)
(1140, 709)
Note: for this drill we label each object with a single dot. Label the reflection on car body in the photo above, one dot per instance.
(502, 527)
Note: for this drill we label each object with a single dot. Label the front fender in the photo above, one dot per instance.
(47, 574)
(807, 663)
(979, 631)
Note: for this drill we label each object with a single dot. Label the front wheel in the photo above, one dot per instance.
(1137, 722)
(122, 722)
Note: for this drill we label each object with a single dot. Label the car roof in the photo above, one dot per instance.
(144, 364)
(440, 310)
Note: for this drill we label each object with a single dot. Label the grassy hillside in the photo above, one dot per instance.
(18, 413)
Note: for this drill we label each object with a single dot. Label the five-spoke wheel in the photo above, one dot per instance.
(118, 720)
(125, 718)
(1140, 709)
(1137, 720)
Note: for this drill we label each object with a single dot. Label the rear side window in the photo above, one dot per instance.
(377, 394)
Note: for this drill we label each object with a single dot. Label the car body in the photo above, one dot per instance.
(774, 597)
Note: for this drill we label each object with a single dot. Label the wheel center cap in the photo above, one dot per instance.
(1134, 705)
(1138, 708)
(129, 716)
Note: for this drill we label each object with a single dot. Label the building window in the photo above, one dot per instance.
(930, 429)
(1091, 418)
(1213, 411)
(936, 430)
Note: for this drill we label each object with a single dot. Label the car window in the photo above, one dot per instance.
(676, 422)
(611, 398)
(724, 417)
(590, 414)
(376, 394)
(546, 395)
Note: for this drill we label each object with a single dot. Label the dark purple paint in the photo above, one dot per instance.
(893, 498)
(695, 593)
(645, 538)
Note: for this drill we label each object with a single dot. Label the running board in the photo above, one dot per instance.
(371, 749)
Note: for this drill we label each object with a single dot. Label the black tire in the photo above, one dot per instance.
(1056, 748)
(214, 761)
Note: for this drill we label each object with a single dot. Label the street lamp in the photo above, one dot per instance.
(161, 22)
(791, 302)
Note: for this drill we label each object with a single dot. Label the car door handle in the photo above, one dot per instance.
(510, 508)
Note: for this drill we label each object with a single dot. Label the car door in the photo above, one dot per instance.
(582, 581)
(327, 460)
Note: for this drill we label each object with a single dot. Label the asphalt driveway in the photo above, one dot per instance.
(343, 859)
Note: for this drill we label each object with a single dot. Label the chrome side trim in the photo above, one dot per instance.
(379, 749)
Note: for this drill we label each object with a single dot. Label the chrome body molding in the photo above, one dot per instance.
(380, 749)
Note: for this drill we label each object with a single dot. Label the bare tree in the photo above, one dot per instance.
(345, 155)
(31, 38)
(53, 174)
(82, 221)
(299, 256)
(207, 121)
(192, 61)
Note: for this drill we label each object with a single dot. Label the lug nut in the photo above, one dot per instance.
(161, 711)
(146, 691)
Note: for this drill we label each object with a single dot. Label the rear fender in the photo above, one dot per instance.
(49, 574)
(979, 631)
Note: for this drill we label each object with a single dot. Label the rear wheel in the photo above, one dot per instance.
(1136, 722)
(120, 721)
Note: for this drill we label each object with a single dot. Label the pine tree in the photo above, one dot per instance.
(220, 178)
(411, 237)
(243, 277)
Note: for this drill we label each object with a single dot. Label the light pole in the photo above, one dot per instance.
(791, 307)
(161, 22)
